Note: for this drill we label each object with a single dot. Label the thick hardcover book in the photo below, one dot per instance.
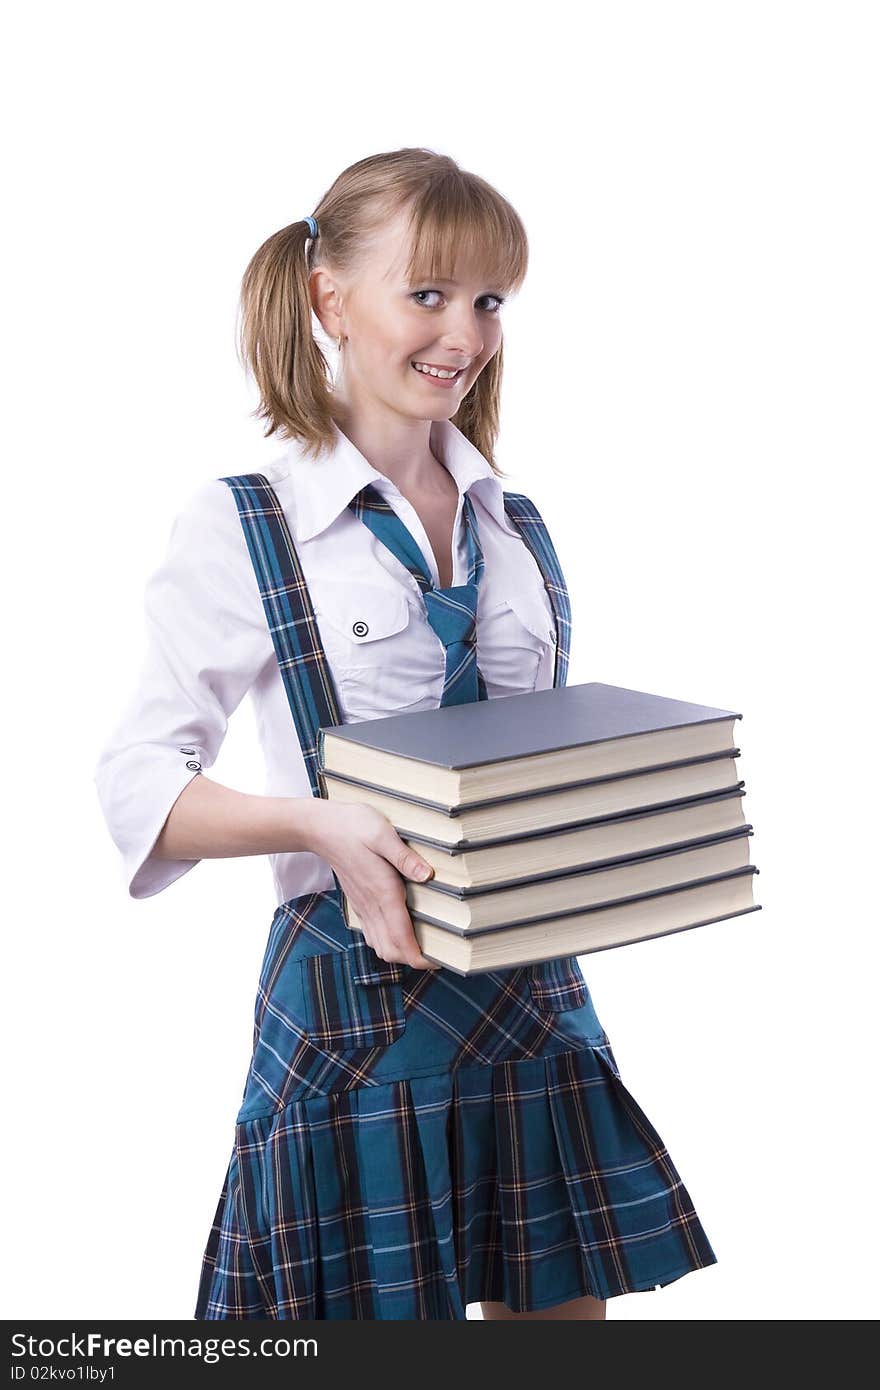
(596, 929)
(575, 890)
(460, 755)
(600, 843)
(545, 809)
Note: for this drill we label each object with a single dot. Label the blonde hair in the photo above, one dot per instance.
(454, 214)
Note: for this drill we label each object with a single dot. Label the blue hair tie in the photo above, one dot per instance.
(313, 226)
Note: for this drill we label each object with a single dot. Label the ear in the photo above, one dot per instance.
(326, 298)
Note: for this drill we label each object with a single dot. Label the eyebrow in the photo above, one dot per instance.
(438, 280)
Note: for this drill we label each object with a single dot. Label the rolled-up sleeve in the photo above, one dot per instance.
(207, 641)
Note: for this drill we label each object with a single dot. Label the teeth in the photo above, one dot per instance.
(433, 371)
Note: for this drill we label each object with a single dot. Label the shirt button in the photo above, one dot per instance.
(196, 767)
(360, 629)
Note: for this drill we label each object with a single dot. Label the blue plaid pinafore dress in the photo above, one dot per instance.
(412, 1141)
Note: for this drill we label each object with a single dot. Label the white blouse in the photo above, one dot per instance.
(209, 642)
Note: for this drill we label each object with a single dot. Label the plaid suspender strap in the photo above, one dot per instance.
(529, 522)
(304, 668)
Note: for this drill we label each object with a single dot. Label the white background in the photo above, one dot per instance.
(691, 399)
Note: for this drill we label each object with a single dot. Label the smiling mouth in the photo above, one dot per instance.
(438, 374)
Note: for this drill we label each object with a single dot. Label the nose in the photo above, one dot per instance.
(464, 334)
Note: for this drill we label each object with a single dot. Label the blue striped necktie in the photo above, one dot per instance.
(451, 612)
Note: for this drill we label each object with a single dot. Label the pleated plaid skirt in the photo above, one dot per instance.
(407, 1146)
(412, 1141)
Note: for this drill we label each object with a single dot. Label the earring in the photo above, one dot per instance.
(339, 343)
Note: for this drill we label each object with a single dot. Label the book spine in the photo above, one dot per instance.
(322, 780)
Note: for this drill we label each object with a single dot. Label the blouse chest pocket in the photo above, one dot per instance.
(360, 617)
(368, 633)
(518, 630)
(531, 612)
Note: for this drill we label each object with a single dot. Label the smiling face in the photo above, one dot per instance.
(388, 322)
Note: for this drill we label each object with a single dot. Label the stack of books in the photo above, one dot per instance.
(558, 822)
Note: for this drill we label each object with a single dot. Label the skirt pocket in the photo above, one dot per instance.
(351, 998)
(557, 985)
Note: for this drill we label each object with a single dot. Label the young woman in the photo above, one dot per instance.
(409, 1141)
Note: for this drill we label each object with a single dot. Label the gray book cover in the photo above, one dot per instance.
(481, 732)
(530, 793)
(570, 827)
(593, 866)
(473, 933)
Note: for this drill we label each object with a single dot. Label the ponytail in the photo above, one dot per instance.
(277, 343)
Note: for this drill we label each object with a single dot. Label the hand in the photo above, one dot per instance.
(369, 857)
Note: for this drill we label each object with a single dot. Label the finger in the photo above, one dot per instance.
(400, 944)
(404, 858)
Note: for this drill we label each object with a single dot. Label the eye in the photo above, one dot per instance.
(420, 301)
(499, 299)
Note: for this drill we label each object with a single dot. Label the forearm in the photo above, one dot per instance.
(211, 821)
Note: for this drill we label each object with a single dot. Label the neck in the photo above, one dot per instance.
(399, 448)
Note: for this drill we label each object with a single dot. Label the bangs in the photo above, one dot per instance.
(460, 225)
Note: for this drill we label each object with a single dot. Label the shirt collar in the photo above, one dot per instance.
(324, 487)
